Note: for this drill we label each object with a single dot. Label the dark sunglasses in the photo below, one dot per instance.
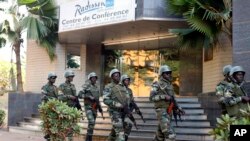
(52, 77)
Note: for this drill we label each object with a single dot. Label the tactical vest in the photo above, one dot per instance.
(164, 88)
(51, 90)
(119, 93)
(234, 110)
(68, 89)
(91, 90)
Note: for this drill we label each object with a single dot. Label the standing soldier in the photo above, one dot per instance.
(115, 96)
(49, 91)
(221, 87)
(90, 93)
(162, 93)
(235, 98)
(125, 79)
(67, 92)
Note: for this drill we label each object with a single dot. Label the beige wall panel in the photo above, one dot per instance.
(38, 65)
(212, 70)
(60, 66)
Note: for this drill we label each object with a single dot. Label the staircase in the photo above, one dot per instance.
(194, 127)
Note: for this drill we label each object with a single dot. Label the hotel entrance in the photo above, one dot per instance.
(142, 66)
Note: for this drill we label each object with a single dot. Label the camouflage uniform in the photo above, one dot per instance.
(235, 96)
(66, 91)
(127, 122)
(221, 87)
(49, 91)
(115, 96)
(159, 91)
(90, 93)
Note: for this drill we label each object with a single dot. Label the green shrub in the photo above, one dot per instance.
(2, 117)
(222, 130)
(58, 119)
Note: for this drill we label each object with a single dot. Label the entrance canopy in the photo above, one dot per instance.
(141, 33)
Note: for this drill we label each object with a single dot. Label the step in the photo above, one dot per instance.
(179, 137)
(185, 123)
(148, 132)
(107, 128)
(141, 125)
(179, 99)
(151, 105)
(132, 137)
(147, 117)
(23, 130)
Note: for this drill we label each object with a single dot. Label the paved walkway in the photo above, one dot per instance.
(9, 136)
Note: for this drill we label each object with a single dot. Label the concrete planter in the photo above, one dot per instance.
(21, 105)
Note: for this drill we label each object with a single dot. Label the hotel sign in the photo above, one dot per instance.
(92, 13)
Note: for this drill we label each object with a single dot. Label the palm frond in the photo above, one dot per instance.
(49, 43)
(200, 25)
(178, 7)
(36, 29)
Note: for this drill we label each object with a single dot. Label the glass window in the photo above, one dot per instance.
(73, 58)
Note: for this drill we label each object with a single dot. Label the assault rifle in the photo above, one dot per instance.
(175, 109)
(126, 111)
(133, 106)
(96, 105)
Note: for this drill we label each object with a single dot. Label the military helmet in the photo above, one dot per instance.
(236, 69)
(226, 69)
(124, 76)
(51, 74)
(113, 71)
(164, 68)
(69, 73)
(92, 74)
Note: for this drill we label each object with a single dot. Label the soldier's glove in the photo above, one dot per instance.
(117, 104)
(244, 99)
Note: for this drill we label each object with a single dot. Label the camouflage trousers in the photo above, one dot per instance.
(165, 131)
(121, 127)
(91, 116)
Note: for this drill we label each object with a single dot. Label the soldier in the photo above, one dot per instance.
(67, 92)
(90, 93)
(162, 93)
(235, 97)
(115, 96)
(125, 79)
(221, 87)
(49, 91)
